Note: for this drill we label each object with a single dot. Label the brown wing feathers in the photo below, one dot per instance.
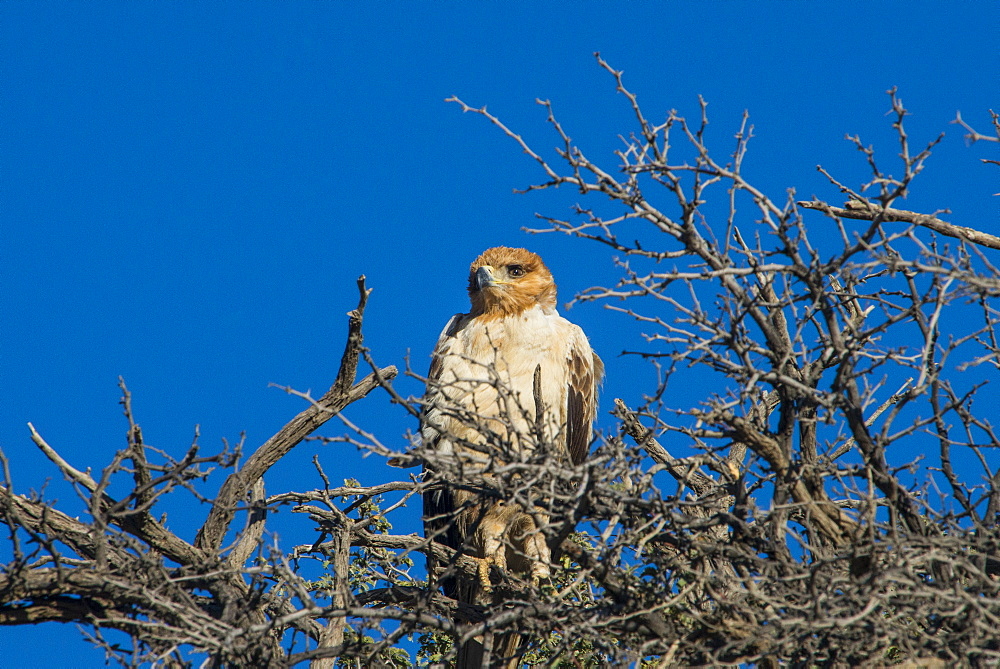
(581, 402)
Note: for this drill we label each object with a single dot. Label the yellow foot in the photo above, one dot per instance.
(484, 570)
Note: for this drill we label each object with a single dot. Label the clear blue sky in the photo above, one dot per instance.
(189, 191)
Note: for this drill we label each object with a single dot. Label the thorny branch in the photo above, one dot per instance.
(802, 343)
(125, 570)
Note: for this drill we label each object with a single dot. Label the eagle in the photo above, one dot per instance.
(508, 378)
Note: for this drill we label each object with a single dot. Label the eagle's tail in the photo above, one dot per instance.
(508, 648)
(499, 650)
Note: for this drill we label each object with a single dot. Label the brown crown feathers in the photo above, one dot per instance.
(505, 281)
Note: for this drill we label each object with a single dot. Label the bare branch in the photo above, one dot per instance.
(853, 209)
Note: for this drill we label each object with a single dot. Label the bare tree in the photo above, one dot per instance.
(823, 519)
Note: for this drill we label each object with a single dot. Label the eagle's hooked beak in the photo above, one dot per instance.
(486, 279)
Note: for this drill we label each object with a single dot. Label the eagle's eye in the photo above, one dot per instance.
(515, 271)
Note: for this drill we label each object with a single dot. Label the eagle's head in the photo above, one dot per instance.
(505, 282)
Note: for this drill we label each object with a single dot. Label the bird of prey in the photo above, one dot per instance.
(487, 371)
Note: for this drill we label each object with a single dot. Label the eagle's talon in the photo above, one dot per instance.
(485, 564)
(484, 576)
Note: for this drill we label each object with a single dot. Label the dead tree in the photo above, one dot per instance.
(836, 505)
